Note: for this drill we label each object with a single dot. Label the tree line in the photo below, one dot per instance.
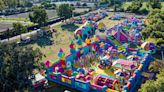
(155, 27)
(14, 3)
(136, 5)
(157, 84)
(16, 66)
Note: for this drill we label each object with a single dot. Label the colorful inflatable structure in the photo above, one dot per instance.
(117, 17)
(101, 63)
(86, 30)
(89, 17)
(128, 31)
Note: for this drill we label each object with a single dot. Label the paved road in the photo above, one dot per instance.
(27, 34)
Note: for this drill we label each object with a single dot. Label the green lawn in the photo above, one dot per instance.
(13, 20)
(61, 39)
(110, 23)
(126, 4)
(16, 19)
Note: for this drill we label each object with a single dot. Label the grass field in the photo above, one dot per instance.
(61, 39)
(110, 23)
(16, 19)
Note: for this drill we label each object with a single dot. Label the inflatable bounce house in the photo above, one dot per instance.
(101, 63)
(129, 31)
(149, 46)
(89, 17)
(117, 17)
(101, 26)
(86, 30)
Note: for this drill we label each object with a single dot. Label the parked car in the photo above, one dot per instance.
(26, 40)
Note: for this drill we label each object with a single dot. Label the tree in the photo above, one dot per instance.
(18, 29)
(84, 4)
(149, 86)
(157, 34)
(10, 3)
(156, 66)
(34, 7)
(54, 6)
(39, 16)
(17, 3)
(111, 2)
(147, 31)
(104, 2)
(47, 4)
(117, 4)
(155, 15)
(135, 6)
(17, 64)
(28, 4)
(2, 5)
(65, 10)
(154, 85)
(160, 42)
(155, 27)
(154, 4)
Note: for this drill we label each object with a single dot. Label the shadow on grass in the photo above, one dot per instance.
(69, 27)
(44, 41)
